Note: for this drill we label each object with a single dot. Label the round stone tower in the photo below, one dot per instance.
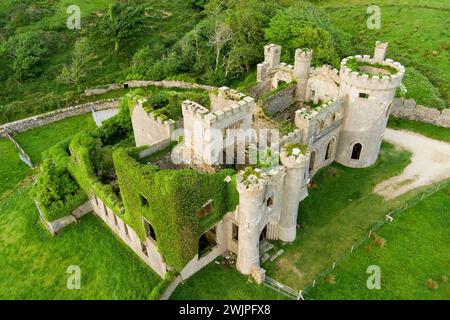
(251, 190)
(302, 66)
(294, 191)
(367, 89)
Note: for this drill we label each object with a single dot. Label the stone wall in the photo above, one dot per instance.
(143, 83)
(408, 109)
(150, 130)
(280, 100)
(151, 256)
(57, 115)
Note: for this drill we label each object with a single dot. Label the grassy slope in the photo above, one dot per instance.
(34, 264)
(426, 129)
(417, 249)
(35, 141)
(12, 169)
(174, 19)
(420, 43)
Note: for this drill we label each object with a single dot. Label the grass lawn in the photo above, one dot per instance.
(417, 249)
(336, 214)
(34, 263)
(12, 169)
(36, 141)
(418, 38)
(223, 282)
(426, 129)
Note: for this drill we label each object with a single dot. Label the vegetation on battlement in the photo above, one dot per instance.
(166, 103)
(358, 66)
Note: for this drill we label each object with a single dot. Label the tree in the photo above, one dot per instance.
(24, 52)
(121, 22)
(305, 26)
(73, 73)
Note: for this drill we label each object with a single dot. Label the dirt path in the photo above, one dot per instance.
(430, 163)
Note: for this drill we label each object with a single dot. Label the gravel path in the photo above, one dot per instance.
(430, 163)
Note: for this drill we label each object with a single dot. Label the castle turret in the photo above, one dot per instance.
(367, 89)
(301, 70)
(380, 51)
(294, 191)
(251, 190)
(272, 55)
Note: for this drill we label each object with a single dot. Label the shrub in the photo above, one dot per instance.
(56, 191)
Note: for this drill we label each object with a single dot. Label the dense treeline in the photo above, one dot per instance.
(43, 63)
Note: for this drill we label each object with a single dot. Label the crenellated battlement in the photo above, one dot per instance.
(333, 106)
(161, 119)
(292, 137)
(364, 79)
(227, 102)
(305, 54)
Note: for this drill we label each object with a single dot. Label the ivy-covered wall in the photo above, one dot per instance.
(173, 197)
(57, 192)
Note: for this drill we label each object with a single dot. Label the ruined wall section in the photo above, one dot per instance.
(320, 130)
(149, 129)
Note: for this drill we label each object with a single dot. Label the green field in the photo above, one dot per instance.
(34, 263)
(416, 250)
(12, 169)
(418, 33)
(223, 282)
(36, 141)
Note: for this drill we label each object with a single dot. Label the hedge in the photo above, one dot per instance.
(172, 199)
(56, 191)
(85, 146)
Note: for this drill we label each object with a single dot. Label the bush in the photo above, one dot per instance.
(56, 191)
(306, 26)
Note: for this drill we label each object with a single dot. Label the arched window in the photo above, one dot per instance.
(330, 149)
(312, 161)
(356, 152)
